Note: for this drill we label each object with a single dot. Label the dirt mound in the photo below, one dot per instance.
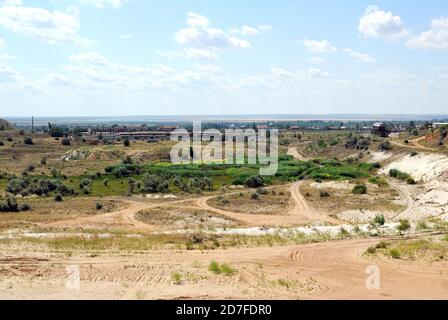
(93, 155)
(102, 155)
(5, 125)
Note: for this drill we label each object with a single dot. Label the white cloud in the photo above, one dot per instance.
(315, 46)
(317, 61)
(125, 36)
(90, 58)
(7, 74)
(52, 27)
(436, 38)
(2, 43)
(10, 3)
(103, 3)
(377, 23)
(360, 57)
(251, 31)
(389, 77)
(200, 35)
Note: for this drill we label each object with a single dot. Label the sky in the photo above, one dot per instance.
(204, 57)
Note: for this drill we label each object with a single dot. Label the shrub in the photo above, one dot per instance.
(214, 267)
(43, 161)
(176, 277)
(262, 191)
(28, 141)
(379, 220)
(404, 225)
(126, 142)
(227, 269)
(255, 182)
(24, 207)
(65, 142)
(324, 194)
(394, 173)
(385, 146)
(410, 181)
(10, 205)
(154, 184)
(414, 153)
(99, 206)
(394, 253)
(86, 182)
(58, 198)
(255, 196)
(359, 189)
(2, 143)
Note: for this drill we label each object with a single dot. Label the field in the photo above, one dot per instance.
(137, 226)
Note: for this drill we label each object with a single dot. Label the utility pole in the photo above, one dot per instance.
(32, 124)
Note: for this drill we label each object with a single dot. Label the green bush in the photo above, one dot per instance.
(58, 198)
(359, 189)
(379, 220)
(28, 141)
(154, 184)
(214, 267)
(394, 253)
(255, 182)
(404, 225)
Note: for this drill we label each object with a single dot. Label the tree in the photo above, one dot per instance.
(154, 184)
(56, 132)
(126, 142)
(255, 182)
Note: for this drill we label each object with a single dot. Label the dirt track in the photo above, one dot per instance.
(317, 271)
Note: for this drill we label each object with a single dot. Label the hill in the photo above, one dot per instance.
(5, 125)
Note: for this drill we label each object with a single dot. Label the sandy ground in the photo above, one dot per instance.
(317, 271)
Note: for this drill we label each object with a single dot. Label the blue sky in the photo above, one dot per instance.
(148, 57)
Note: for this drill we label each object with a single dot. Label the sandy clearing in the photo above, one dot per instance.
(331, 270)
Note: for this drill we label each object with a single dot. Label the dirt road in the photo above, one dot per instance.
(300, 214)
(330, 270)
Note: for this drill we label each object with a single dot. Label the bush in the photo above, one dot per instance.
(414, 153)
(24, 207)
(410, 181)
(154, 184)
(262, 191)
(379, 220)
(385, 146)
(359, 189)
(255, 196)
(394, 253)
(65, 142)
(255, 182)
(2, 143)
(58, 198)
(86, 182)
(28, 141)
(394, 173)
(99, 206)
(404, 225)
(43, 161)
(126, 142)
(10, 205)
(324, 194)
(215, 267)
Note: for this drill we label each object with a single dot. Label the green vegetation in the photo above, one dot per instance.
(394, 173)
(224, 269)
(394, 253)
(379, 220)
(359, 189)
(404, 225)
(176, 277)
(10, 205)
